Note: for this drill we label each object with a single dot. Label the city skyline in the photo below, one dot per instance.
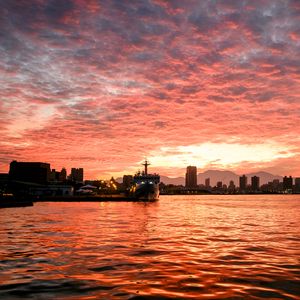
(104, 85)
(190, 178)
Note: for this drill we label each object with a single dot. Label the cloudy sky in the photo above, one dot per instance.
(104, 84)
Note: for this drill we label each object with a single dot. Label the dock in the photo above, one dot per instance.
(90, 198)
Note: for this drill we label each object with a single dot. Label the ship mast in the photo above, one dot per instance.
(146, 164)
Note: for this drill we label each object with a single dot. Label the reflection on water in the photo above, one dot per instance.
(182, 247)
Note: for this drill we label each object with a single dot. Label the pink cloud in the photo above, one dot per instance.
(104, 86)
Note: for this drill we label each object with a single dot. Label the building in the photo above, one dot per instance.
(255, 183)
(76, 175)
(207, 183)
(275, 185)
(127, 181)
(191, 177)
(63, 175)
(287, 183)
(52, 190)
(58, 176)
(297, 184)
(243, 183)
(3, 181)
(35, 172)
(231, 186)
(219, 184)
(54, 175)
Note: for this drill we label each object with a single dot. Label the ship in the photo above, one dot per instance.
(145, 186)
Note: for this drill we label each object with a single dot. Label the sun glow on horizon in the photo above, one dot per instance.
(220, 155)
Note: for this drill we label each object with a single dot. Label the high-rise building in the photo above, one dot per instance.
(219, 184)
(287, 183)
(275, 185)
(231, 186)
(207, 183)
(76, 174)
(191, 177)
(297, 184)
(243, 183)
(255, 183)
(36, 172)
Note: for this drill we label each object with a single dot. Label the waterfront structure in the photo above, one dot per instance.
(276, 185)
(58, 176)
(255, 183)
(63, 175)
(207, 183)
(297, 184)
(35, 172)
(52, 190)
(54, 175)
(287, 183)
(243, 183)
(3, 181)
(127, 181)
(231, 186)
(76, 174)
(191, 177)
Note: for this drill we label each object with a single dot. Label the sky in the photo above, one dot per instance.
(105, 84)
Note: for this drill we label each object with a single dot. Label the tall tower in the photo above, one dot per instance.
(207, 183)
(254, 183)
(287, 183)
(243, 183)
(191, 177)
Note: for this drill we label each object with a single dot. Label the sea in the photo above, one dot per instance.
(181, 247)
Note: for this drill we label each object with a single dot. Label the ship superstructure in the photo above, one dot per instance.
(146, 186)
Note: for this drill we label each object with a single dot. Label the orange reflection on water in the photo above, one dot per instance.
(181, 247)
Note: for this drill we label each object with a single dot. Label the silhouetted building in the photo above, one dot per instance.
(63, 175)
(207, 183)
(275, 185)
(255, 183)
(52, 190)
(127, 181)
(287, 183)
(191, 177)
(219, 184)
(58, 176)
(231, 187)
(54, 175)
(297, 184)
(36, 172)
(3, 181)
(76, 175)
(243, 183)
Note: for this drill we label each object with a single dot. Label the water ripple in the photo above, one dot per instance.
(208, 247)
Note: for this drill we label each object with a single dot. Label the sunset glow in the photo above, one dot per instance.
(104, 84)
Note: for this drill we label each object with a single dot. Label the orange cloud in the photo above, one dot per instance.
(104, 86)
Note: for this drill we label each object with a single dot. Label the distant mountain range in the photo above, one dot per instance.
(224, 176)
(216, 175)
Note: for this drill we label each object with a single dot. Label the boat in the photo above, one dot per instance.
(9, 204)
(146, 186)
(9, 200)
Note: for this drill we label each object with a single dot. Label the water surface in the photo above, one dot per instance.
(182, 247)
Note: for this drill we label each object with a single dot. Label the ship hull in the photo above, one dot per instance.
(147, 192)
